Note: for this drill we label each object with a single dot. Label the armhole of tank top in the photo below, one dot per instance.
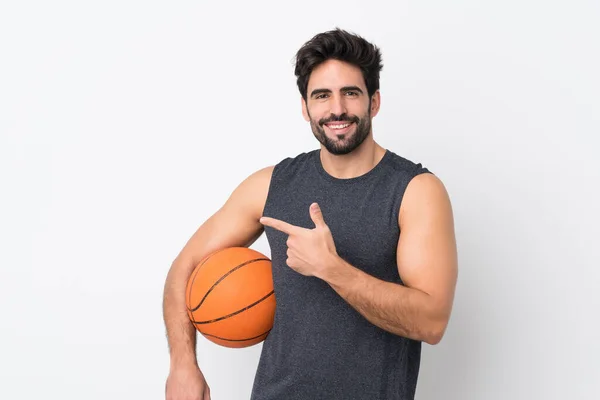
(274, 173)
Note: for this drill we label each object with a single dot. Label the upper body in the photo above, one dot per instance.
(339, 100)
(340, 338)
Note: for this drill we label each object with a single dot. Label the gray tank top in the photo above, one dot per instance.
(320, 347)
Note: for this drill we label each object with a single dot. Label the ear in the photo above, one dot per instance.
(375, 103)
(304, 109)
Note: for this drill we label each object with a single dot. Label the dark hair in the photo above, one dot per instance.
(339, 45)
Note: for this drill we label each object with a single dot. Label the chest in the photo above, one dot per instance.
(363, 222)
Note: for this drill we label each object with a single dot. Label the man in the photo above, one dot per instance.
(355, 298)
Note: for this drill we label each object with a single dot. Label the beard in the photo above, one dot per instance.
(348, 142)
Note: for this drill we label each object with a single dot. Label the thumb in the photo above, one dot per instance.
(316, 215)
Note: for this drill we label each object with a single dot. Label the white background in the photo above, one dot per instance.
(124, 125)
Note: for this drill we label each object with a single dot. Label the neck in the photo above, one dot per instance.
(357, 163)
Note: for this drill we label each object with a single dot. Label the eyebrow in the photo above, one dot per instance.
(344, 89)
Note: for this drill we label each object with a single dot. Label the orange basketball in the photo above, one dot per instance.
(230, 298)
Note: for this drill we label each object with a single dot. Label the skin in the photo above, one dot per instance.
(426, 260)
(235, 224)
(330, 94)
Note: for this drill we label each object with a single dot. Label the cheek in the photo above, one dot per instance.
(317, 110)
(314, 117)
(359, 109)
(313, 113)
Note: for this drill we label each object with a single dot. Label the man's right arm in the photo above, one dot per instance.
(235, 224)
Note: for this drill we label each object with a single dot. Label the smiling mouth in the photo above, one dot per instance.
(339, 127)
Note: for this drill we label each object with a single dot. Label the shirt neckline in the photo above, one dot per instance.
(330, 178)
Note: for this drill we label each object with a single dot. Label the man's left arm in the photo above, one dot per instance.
(427, 263)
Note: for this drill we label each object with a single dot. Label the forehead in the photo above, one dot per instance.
(335, 74)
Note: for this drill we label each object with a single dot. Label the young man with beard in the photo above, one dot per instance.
(355, 298)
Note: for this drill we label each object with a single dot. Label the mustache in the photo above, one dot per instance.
(335, 118)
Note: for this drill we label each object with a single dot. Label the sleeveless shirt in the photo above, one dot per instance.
(320, 347)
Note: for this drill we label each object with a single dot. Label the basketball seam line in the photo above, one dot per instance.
(236, 312)
(223, 277)
(202, 262)
(236, 340)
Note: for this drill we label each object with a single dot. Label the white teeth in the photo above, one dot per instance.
(338, 126)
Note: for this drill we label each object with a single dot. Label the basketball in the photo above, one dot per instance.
(230, 298)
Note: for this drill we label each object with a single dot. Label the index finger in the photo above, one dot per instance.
(279, 225)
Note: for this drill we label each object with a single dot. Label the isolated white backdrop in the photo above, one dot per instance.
(124, 125)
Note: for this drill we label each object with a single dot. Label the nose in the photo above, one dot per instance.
(337, 105)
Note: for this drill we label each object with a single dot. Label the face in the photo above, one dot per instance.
(338, 106)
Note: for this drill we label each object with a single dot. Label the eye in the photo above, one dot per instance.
(352, 93)
(321, 96)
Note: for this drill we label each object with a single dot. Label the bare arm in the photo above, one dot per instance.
(427, 263)
(235, 224)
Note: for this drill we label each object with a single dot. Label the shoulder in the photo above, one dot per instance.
(408, 168)
(291, 167)
(262, 176)
(425, 197)
(424, 193)
(261, 179)
(253, 189)
(410, 176)
(295, 162)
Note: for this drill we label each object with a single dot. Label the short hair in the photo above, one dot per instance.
(339, 45)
